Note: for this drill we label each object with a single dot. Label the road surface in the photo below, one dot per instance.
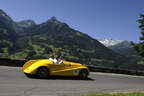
(14, 83)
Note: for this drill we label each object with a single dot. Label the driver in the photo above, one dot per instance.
(59, 61)
(53, 59)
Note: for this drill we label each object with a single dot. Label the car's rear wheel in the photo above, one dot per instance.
(83, 74)
(42, 72)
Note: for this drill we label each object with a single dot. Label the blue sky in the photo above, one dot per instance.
(115, 19)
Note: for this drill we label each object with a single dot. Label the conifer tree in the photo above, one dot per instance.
(140, 46)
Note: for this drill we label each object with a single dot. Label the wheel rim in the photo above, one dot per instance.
(83, 74)
(42, 73)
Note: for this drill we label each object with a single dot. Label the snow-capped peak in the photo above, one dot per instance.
(110, 42)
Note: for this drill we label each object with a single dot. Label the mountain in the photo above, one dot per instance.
(38, 41)
(6, 21)
(26, 23)
(21, 26)
(54, 36)
(110, 42)
(123, 47)
(18, 27)
(7, 35)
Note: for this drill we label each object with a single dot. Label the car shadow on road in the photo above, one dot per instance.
(63, 78)
(68, 78)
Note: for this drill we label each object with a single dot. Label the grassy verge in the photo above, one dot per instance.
(117, 94)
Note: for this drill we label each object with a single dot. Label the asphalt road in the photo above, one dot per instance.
(14, 83)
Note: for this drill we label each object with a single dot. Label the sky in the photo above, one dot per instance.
(100, 19)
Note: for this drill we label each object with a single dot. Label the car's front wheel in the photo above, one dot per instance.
(83, 74)
(42, 72)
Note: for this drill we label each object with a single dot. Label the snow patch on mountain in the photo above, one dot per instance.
(110, 42)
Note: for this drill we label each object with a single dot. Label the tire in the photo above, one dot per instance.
(83, 74)
(42, 72)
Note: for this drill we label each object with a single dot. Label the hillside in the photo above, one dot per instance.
(7, 35)
(53, 36)
(122, 47)
(26, 23)
(125, 48)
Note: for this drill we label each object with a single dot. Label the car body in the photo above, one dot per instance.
(45, 67)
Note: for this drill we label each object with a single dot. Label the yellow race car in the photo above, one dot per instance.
(44, 68)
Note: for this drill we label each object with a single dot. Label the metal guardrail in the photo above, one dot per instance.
(10, 62)
(115, 70)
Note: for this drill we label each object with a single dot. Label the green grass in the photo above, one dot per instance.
(117, 94)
